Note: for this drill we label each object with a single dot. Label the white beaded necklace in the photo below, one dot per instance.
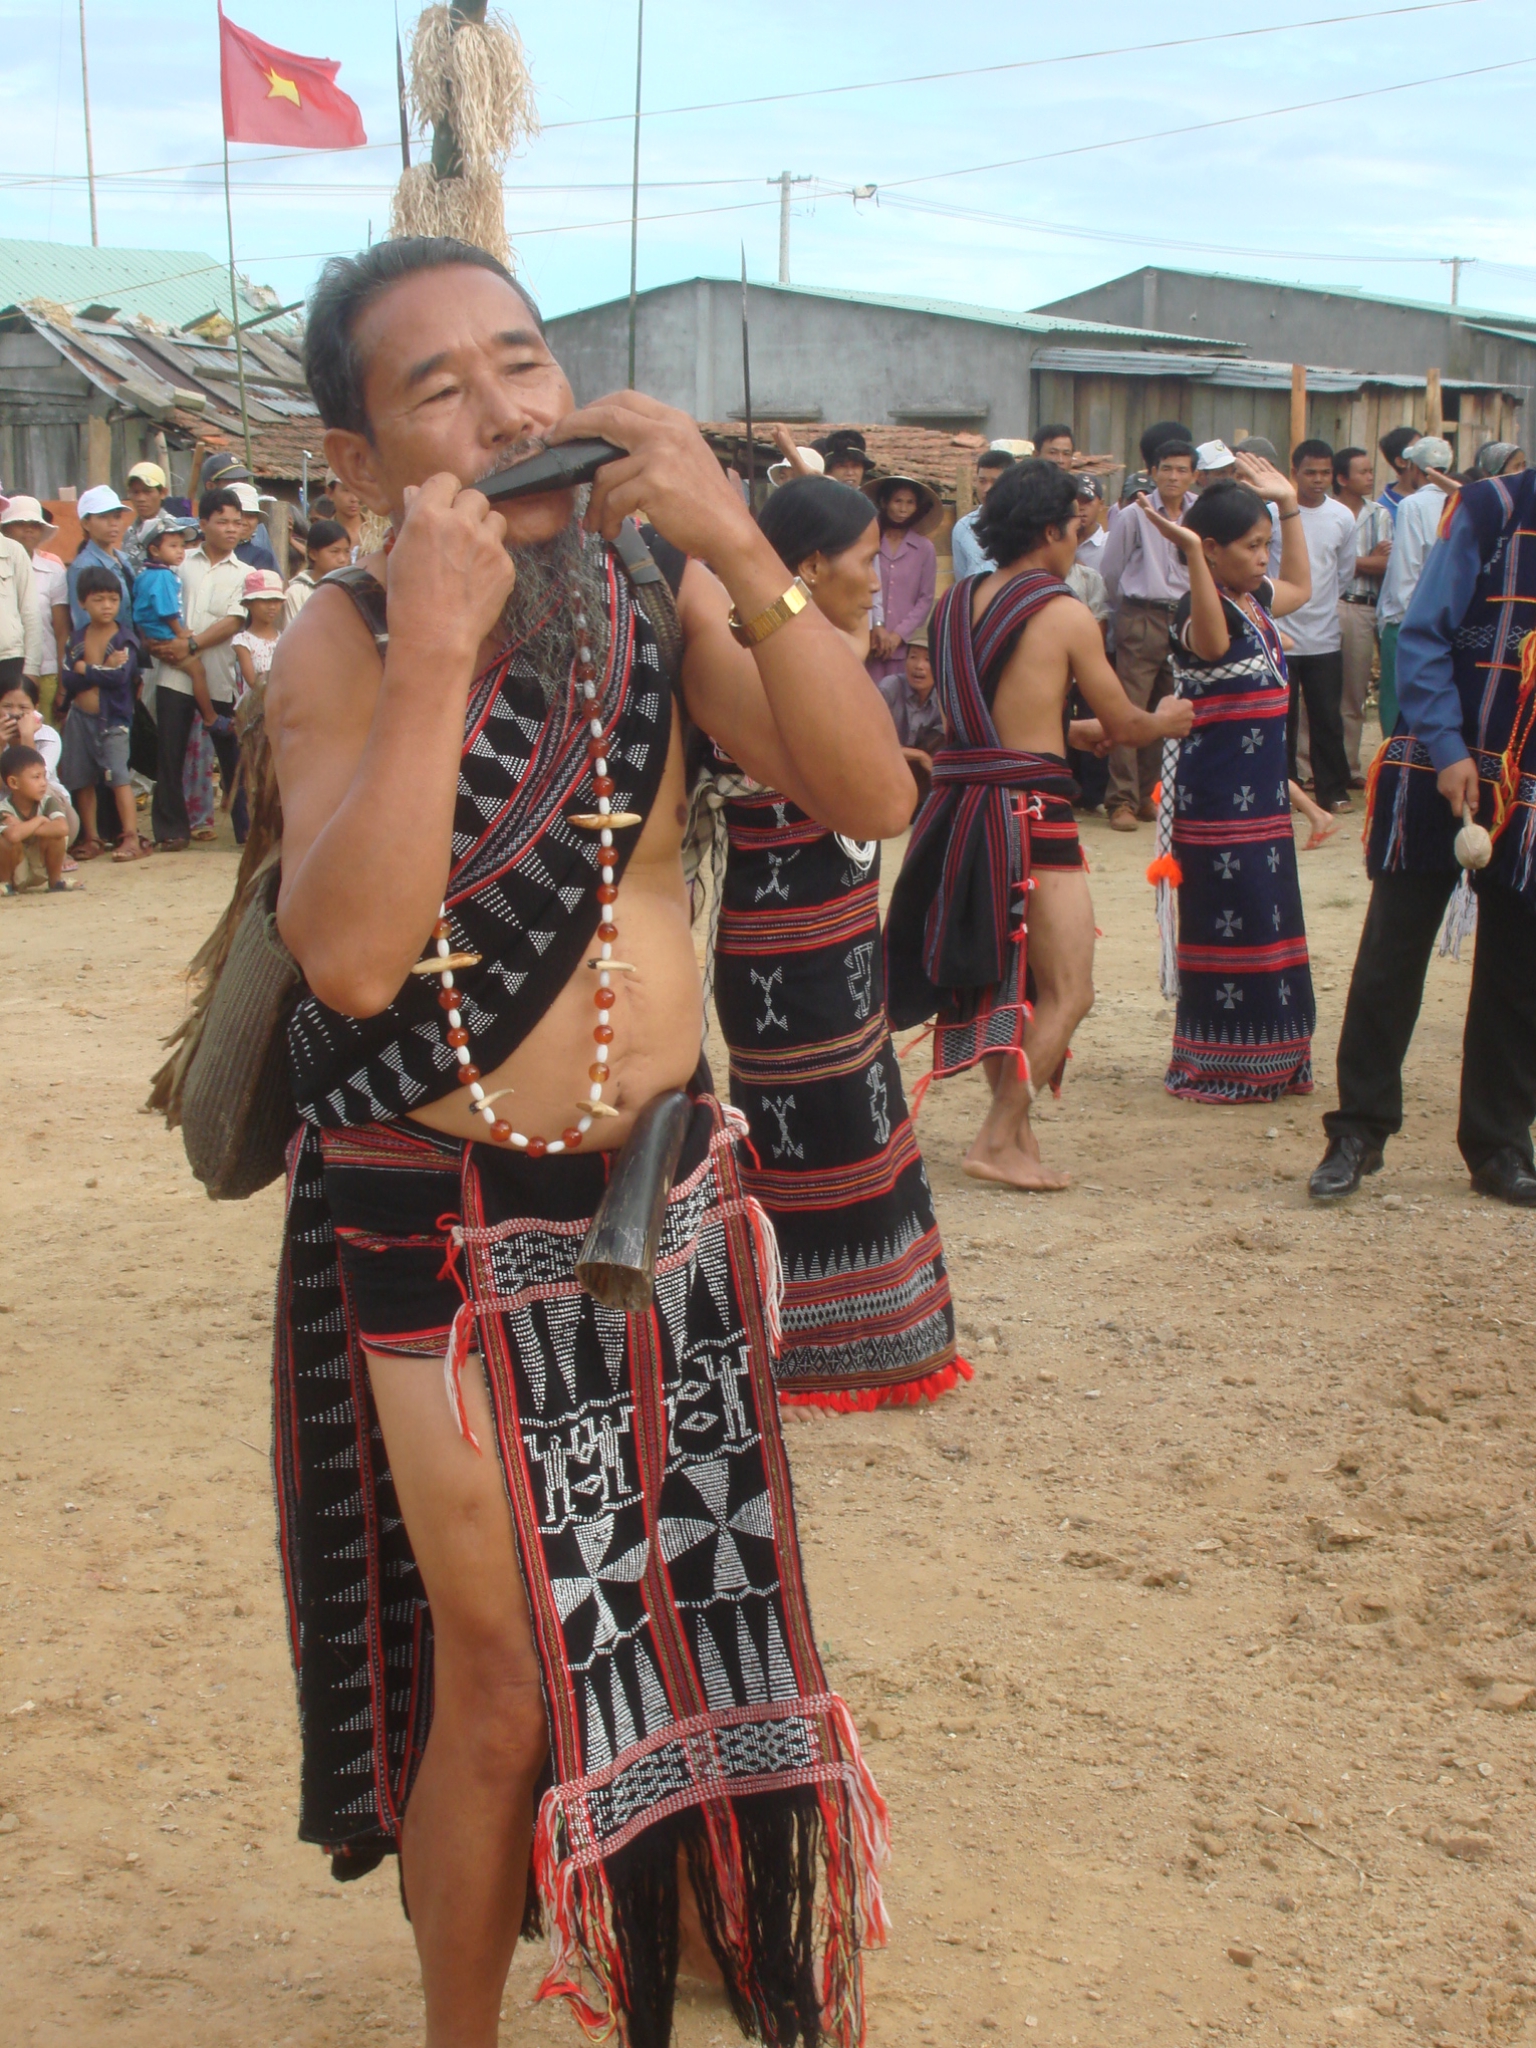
(443, 961)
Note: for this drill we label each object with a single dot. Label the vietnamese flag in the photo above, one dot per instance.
(270, 95)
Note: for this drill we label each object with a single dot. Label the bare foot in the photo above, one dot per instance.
(1013, 1168)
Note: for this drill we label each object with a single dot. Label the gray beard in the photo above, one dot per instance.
(555, 579)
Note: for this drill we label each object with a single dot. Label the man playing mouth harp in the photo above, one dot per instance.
(554, 1621)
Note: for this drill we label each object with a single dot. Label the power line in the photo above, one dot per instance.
(1184, 128)
(1070, 233)
(865, 85)
(1021, 64)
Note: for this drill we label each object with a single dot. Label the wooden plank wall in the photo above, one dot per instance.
(1109, 414)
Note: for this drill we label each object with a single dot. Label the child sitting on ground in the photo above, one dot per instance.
(34, 831)
(101, 673)
(256, 642)
(157, 615)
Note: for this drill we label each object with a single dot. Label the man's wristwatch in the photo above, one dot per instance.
(755, 631)
(191, 643)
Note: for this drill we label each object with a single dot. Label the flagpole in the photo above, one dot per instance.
(234, 301)
(634, 189)
(85, 97)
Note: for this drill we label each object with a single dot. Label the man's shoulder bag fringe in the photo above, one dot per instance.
(226, 1085)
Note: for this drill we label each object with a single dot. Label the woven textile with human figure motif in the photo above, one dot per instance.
(689, 1719)
(1243, 1028)
(799, 991)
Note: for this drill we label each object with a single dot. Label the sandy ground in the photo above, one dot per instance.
(1190, 1641)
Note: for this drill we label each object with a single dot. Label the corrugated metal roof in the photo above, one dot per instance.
(1470, 314)
(945, 309)
(1241, 372)
(173, 285)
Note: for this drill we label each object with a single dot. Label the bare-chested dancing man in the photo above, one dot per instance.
(581, 1559)
(994, 861)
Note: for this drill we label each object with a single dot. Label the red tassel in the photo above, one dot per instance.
(1157, 792)
(1165, 869)
(915, 1099)
(865, 1400)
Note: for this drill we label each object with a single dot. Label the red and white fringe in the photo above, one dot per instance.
(864, 1400)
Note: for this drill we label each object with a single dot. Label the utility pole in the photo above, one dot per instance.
(1456, 265)
(90, 159)
(784, 180)
(634, 189)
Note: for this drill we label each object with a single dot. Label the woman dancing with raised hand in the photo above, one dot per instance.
(799, 990)
(1243, 1029)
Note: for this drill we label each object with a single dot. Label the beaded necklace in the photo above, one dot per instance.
(443, 961)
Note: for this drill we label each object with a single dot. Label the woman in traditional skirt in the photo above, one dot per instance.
(1240, 975)
(799, 991)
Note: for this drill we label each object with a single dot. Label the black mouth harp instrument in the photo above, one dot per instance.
(558, 468)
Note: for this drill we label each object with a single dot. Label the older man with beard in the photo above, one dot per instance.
(578, 1571)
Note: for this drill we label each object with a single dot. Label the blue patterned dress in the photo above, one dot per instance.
(1245, 1014)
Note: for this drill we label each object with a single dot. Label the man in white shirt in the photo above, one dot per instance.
(1354, 479)
(1145, 576)
(26, 523)
(1315, 657)
(966, 554)
(1419, 512)
(213, 608)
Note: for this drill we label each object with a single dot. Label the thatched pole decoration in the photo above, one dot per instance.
(469, 83)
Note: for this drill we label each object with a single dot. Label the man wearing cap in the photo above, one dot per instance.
(146, 494)
(1419, 512)
(966, 553)
(1145, 576)
(254, 549)
(22, 651)
(846, 456)
(213, 607)
(102, 515)
(25, 522)
(908, 566)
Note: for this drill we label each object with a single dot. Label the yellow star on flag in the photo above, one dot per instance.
(280, 88)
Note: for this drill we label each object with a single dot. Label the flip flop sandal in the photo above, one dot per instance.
(64, 886)
(169, 846)
(87, 849)
(206, 832)
(129, 850)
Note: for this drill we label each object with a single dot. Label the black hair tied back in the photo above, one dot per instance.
(813, 515)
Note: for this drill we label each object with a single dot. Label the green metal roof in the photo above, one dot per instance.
(1473, 315)
(173, 285)
(948, 309)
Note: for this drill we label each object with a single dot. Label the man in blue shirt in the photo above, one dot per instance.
(103, 516)
(965, 550)
(1465, 743)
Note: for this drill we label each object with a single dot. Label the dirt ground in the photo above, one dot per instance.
(1205, 1722)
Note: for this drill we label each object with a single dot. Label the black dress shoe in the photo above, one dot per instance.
(1508, 1179)
(1343, 1166)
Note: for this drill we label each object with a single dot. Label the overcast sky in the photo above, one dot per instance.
(1349, 194)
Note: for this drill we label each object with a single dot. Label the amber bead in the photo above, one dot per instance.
(467, 1074)
(586, 672)
(501, 1132)
(536, 1148)
(596, 749)
(607, 933)
(603, 785)
(606, 998)
(442, 929)
(607, 892)
(571, 1138)
(603, 1034)
(457, 1036)
(597, 1071)
(448, 999)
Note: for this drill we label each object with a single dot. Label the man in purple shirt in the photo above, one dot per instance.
(908, 570)
(1145, 577)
